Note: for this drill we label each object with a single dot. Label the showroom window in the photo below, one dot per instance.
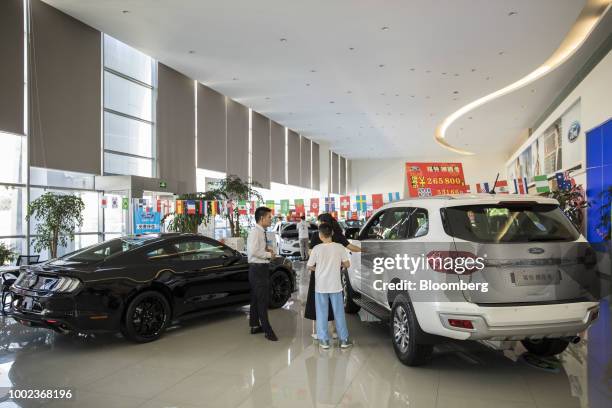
(66, 182)
(129, 110)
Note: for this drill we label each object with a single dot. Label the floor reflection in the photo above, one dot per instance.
(213, 362)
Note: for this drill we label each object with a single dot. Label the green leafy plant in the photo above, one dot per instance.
(572, 202)
(58, 216)
(235, 189)
(7, 255)
(189, 222)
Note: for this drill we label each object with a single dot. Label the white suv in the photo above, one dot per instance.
(525, 273)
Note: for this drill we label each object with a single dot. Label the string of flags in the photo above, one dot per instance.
(349, 206)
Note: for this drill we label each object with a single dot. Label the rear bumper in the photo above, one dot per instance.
(59, 313)
(507, 322)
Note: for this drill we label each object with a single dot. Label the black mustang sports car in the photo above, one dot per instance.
(138, 285)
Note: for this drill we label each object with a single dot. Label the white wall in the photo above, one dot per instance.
(594, 93)
(372, 176)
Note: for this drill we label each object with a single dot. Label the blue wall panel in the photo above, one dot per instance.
(599, 178)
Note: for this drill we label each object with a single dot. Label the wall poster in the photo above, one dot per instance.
(430, 179)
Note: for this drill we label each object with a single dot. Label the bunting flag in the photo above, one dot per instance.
(103, 201)
(252, 207)
(345, 203)
(390, 197)
(284, 207)
(242, 207)
(191, 207)
(362, 203)
(299, 206)
(270, 205)
(115, 202)
(158, 205)
(314, 206)
(541, 183)
(563, 181)
(203, 208)
(520, 186)
(502, 187)
(377, 201)
(179, 206)
(482, 188)
(330, 204)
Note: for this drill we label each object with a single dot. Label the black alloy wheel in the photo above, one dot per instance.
(403, 329)
(280, 289)
(349, 306)
(146, 317)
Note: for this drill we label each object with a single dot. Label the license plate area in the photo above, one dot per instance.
(27, 304)
(535, 277)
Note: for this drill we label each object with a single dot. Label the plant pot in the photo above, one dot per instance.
(236, 243)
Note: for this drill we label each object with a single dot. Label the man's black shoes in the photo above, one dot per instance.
(256, 329)
(271, 336)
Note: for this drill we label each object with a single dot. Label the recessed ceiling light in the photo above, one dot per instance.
(455, 92)
(313, 70)
(307, 84)
(191, 51)
(352, 48)
(473, 69)
(500, 53)
(427, 72)
(512, 13)
(125, 11)
(283, 40)
(533, 91)
(267, 97)
(381, 65)
(234, 79)
(338, 113)
(412, 96)
(487, 78)
(385, 28)
(331, 102)
(396, 94)
(444, 73)
(382, 94)
(348, 92)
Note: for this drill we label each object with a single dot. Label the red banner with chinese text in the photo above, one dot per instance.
(430, 179)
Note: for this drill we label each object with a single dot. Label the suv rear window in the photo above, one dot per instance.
(509, 223)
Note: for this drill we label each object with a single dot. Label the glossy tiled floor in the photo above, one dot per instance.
(213, 362)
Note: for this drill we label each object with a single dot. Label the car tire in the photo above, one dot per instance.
(545, 347)
(350, 306)
(146, 317)
(404, 329)
(280, 289)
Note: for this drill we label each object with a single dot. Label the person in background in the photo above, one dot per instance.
(259, 255)
(326, 261)
(338, 237)
(303, 237)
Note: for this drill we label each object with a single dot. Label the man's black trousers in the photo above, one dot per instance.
(259, 279)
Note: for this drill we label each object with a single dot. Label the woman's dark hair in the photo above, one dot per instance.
(260, 212)
(327, 218)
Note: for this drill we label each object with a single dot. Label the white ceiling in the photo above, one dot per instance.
(326, 80)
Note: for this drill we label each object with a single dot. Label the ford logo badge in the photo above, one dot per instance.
(536, 251)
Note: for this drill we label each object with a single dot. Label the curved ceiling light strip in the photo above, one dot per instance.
(587, 20)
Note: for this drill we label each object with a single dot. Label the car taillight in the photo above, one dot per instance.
(459, 262)
(460, 323)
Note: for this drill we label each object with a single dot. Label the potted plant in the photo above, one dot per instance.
(573, 203)
(189, 222)
(233, 189)
(7, 255)
(58, 216)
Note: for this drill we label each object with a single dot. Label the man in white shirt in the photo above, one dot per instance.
(326, 260)
(259, 255)
(303, 237)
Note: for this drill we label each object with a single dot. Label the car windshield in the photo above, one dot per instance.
(103, 251)
(511, 222)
